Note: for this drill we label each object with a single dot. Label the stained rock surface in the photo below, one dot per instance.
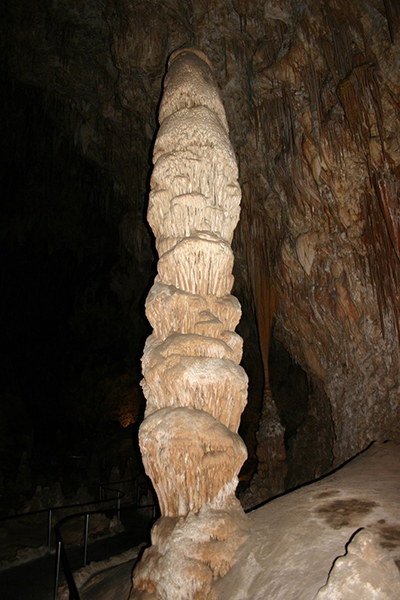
(366, 571)
(296, 539)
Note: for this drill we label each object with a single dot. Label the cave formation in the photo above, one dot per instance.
(311, 94)
(194, 387)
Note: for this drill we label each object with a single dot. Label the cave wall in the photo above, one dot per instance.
(311, 94)
(335, 173)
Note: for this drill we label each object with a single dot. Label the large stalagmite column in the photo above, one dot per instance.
(193, 384)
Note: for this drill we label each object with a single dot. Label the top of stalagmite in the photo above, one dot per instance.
(190, 82)
(185, 50)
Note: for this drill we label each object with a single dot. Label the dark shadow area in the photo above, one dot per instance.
(305, 413)
(71, 309)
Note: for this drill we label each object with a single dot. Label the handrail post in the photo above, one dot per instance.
(49, 529)
(86, 539)
(58, 559)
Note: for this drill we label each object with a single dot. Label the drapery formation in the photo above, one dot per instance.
(193, 384)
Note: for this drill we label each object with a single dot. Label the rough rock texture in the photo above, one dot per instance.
(269, 479)
(320, 164)
(333, 171)
(295, 540)
(366, 571)
(194, 387)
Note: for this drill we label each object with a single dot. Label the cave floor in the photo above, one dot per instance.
(293, 543)
(296, 538)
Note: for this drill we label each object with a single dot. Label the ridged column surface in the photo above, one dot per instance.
(193, 384)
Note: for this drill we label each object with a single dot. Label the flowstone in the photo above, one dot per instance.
(193, 384)
(366, 571)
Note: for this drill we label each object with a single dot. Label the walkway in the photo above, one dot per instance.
(35, 580)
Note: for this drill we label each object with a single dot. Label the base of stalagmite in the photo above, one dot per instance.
(189, 553)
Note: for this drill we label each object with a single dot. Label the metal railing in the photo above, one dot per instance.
(140, 487)
(52, 509)
(61, 554)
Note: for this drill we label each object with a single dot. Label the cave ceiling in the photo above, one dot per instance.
(312, 95)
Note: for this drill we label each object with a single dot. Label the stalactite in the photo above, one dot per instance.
(392, 13)
(312, 83)
(271, 471)
(193, 384)
(382, 238)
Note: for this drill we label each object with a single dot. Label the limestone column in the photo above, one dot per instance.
(193, 384)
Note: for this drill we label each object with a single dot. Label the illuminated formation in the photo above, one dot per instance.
(193, 384)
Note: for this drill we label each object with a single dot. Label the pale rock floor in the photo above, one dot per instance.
(295, 540)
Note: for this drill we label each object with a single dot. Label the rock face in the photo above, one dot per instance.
(327, 124)
(193, 384)
(366, 571)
